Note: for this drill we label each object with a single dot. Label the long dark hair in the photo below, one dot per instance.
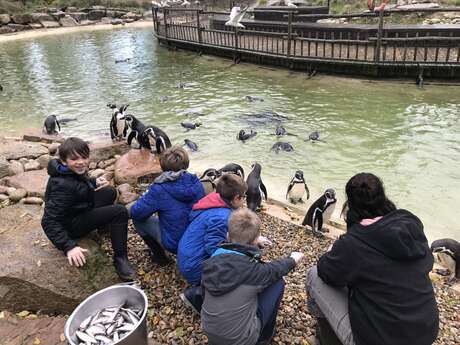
(366, 198)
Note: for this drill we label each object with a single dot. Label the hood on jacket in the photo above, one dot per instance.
(183, 187)
(56, 168)
(398, 235)
(221, 275)
(212, 200)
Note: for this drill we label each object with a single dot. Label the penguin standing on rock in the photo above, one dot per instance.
(447, 253)
(256, 188)
(154, 137)
(320, 212)
(232, 168)
(136, 128)
(51, 125)
(297, 188)
(208, 180)
(118, 128)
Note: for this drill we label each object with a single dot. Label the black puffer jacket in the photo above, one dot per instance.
(385, 266)
(67, 195)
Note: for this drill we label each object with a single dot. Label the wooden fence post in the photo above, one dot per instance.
(289, 34)
(378, 44)
(165, 11)
(198, 26)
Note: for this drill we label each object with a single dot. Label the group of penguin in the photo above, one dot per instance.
(318, 213)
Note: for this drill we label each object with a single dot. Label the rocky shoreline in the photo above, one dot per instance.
(34, 276)
(69, 17)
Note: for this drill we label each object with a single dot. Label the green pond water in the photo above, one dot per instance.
(408, 137)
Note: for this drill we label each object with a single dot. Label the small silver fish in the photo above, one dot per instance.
(85, 337)
(126, 328)
(116, 337)
(104, 339)
(86, 322)
(95, 330)
(110, 329)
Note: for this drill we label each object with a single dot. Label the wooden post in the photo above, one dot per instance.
(198, 26)
(289, 34)
(236, 46)
(165, 11)
(378, 43)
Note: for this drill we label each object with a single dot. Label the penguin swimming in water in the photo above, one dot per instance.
(189, 125)
(446, 252)
(256, 188)
(154, 137)
(232, 168)
(297, 188)
(191, 145)
(280, 131)
(118, 128)
(50, 125)
(320, 212)
(243, 136)
(282, 146)
(136, 128)
(208, 180)
(254, 99)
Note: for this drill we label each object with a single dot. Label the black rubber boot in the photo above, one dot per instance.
(157, 253)
(119, 238)
(326, 334)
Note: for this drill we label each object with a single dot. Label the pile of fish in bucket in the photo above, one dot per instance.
(109, 325)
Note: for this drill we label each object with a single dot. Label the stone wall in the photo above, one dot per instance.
(68, 17)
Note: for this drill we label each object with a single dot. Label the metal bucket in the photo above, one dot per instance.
(111, 296)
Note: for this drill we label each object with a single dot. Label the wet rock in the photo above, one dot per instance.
(39, 17)
(104, 150)
(79, 16)
(11, 149)
(134, 164)
(117, 21)
(16, 167)
(87, 22)
(5, 29)
(106, 20)
(43, 161)
(53, 148)
(96, 14)
(132, 15)
(68, 21)
(21, 18)
(33, 200)
(4, 19)
(36, 276)
(4, 167)
(34, 182)
(14, 329)
(36, 26)
(49, 24)
(17, 194)
(96, 173)
(17, 27)
(32, 165)
(129, 20)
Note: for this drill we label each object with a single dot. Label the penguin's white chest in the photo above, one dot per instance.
(120, 125)
(297, 192)
(328, 212)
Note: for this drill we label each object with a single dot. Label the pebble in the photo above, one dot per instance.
(32, 165)
(17, 194)
(43, 161)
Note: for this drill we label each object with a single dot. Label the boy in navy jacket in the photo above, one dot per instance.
(171, 196)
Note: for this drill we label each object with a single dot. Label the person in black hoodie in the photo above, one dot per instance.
(76, 205)
(372, 287)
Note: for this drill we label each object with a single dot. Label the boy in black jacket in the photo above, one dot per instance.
(242, 293)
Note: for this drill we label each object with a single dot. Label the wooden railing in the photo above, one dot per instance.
(289, 42)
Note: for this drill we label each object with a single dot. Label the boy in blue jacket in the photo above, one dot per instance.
(207, 229)
(171, 196)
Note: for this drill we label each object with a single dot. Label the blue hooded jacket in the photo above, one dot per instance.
(207, 229)
(173, 199)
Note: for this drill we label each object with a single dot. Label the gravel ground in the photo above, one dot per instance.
(170, 322)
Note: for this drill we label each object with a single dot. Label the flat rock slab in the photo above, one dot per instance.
(35, 276)
(37, 135)
(13, 149)
(17, 330)
(134, 164)
(105, 149)
(34, 182)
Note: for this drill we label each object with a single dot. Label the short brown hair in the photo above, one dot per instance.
(73, 146)
(243, 226)
(174, 159)
(231, 185)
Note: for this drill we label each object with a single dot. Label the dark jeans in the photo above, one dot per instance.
(267, 309)
(104, 214)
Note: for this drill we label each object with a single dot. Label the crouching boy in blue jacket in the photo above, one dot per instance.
(171, 196)
(242, 294)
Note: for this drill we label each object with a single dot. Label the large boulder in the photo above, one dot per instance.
(34, 182)
(96, 14)
(35, 276)
(39, 17)
(22, 18)
(68, 21)
(105, 149)
(17, 27)
(16, 330)
(134, 164)
(49, 24)
(4, 19)
(79, 16)
(12, 149)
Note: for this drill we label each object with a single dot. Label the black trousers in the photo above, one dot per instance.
(104, 215)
